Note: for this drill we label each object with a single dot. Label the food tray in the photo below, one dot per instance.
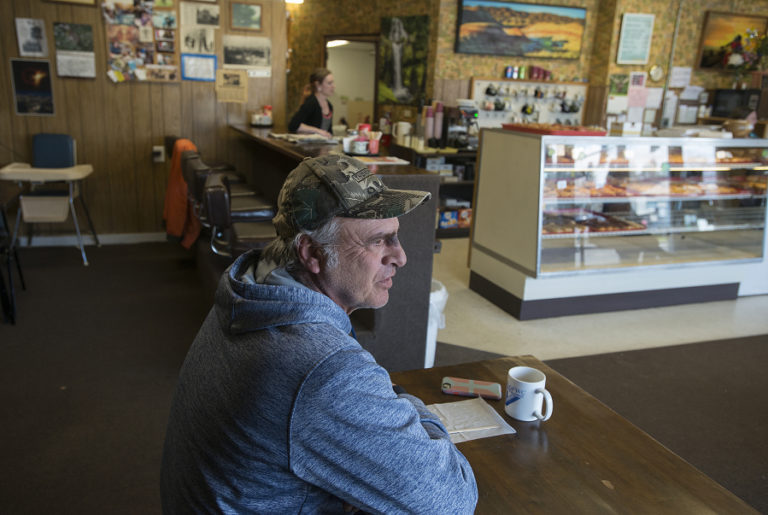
(569, 221)
(555, 130)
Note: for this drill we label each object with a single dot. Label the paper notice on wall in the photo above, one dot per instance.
(680, 76)
(670, 107)
(232, 86)
(635, 114)
(691, 93)
(616, 104)
(637, 97)
(653, 97)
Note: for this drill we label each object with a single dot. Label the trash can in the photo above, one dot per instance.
(438, 296)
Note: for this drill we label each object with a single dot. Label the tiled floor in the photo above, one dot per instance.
(474, 322)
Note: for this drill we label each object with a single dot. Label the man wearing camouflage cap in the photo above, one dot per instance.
(278, 409)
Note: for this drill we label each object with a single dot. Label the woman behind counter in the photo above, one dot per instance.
(316, 113)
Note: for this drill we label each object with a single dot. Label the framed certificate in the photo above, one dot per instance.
(635, 38)
(198, 67)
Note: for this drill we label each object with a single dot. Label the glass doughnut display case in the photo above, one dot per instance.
(558, 215)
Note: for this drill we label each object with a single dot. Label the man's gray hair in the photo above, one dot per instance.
(284, 252)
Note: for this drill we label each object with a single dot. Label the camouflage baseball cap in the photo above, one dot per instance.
(321, 188)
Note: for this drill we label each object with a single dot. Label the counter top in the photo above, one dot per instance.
(299, 151)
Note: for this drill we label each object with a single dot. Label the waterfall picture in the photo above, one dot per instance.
(403, 59)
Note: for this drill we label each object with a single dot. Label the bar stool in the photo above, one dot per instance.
(54, 162)
(234, 232)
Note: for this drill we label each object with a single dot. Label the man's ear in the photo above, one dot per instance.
(310, 255)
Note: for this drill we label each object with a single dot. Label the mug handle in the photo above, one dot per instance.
(549, 405)
(394, 130)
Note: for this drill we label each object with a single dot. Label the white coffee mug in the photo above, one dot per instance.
(526, 395)
(347, 143)
(400, 130)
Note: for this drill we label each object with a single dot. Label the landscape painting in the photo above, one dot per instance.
(723, 37)
(519, 29)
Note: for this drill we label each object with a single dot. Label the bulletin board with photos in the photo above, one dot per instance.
(142, 39)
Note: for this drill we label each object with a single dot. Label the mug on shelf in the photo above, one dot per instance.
(400, 130)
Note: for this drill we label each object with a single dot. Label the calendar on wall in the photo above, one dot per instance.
(500, 101)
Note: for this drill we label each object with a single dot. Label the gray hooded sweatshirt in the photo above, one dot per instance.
(279, 410)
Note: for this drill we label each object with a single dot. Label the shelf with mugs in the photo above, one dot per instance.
(500, 101)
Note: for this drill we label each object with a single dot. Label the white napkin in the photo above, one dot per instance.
(470, 420)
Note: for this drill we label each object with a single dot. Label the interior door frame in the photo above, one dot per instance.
(366, 38)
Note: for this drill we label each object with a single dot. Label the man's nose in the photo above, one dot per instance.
(396, 256)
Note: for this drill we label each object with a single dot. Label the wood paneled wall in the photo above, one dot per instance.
(116, 125)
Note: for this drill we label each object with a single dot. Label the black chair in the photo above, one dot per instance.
(234, 232)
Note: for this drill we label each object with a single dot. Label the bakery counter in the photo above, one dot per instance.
(397, 333)
(579, 224)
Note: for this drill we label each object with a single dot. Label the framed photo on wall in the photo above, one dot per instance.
(245, 16)
(78, 2)
(722, 38)
(519, 29)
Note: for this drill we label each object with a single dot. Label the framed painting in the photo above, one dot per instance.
(245, 16)
(722, 38)
(519, 29)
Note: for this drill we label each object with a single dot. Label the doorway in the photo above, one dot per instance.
(352, 60)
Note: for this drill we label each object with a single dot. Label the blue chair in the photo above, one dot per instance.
(54, 162)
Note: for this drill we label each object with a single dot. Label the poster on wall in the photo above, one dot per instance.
(635, 38)
(403, 52)
(32, 91)
(141, 41)
(30, 34)
(519, 29)
(74, 50)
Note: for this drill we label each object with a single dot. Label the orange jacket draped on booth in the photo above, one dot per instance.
(180, 220)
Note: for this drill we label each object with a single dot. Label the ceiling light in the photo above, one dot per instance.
(336, 42)
(294, 1)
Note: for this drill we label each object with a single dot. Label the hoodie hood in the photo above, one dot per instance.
(244, 306)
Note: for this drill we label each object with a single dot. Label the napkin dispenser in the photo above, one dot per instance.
(261, 118)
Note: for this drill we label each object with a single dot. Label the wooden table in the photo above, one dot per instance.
(585, 459)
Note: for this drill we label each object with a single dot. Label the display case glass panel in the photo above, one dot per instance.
(610, 203)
